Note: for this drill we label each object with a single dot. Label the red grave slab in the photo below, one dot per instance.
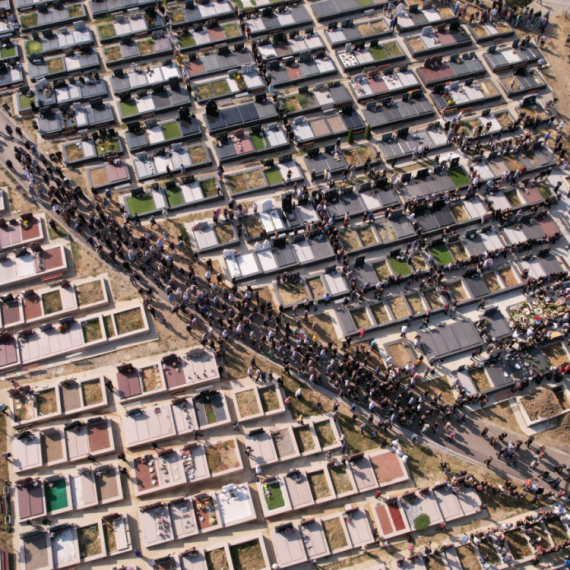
(548, 227)
(52, 258)
(116, 172)
(387, 467)
(384, 519)
(216, 34)
(294, 72)
(33, 232)
(246, 146)
(446, 39)
(196, 68)
(98, 436)
(10, 313)
(33, 307)
(377, 86)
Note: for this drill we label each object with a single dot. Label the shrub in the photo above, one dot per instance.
(350, 137)
(368, 133)
(422, 522)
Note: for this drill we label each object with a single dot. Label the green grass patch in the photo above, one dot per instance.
(174, 197)
(208, 187)
(113, 53)
(442, 254)
(75, 11)
(33, 47)
(258, 142)
(9, 51)
(141, 205)
(378, 53)
(106, 31)
(399, 267)
(128, 108)
(171, 131)
(186, 41)
(231, 30)
(274, 175)
(365, 2)
(459, 177)
(220, 88)
(273, 495)
(392, 49)
(29, 20)
(107, 146)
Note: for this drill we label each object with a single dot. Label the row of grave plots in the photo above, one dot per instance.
(425, 508)
(58, 445)
(58, 494)
(61, 300)
(520, 546)
(70, 544)
(206, 411)
(283, 254)
(303, 488)
(70, 335)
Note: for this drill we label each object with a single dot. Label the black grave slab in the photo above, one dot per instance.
(330, 9)
(550, 265)
(400, 112)
(451, 339)
(240, 116)
(437, 184)
(476, 286)
(102, 7)
(349, 203)
(346, 321)
(498, 326)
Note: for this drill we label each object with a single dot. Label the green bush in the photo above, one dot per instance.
(368, 133)
(422, 522)
(350, 137)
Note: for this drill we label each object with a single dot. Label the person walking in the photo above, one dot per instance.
(488, 462)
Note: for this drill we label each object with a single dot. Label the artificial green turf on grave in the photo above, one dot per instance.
(442, 254)
(9, 51)
(276, 501)
(258, 142)
(56, 495)
(128, 108)
(273, 175)
(174, 197)
(141, 205)
(26, 102)
(365, 2)
(171, 131)
(378, 53)
(186, 41)
(458, 176)
(399, 267)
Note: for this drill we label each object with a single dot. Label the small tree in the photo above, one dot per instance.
(422, 522)
(368, 133)
(350, 137)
